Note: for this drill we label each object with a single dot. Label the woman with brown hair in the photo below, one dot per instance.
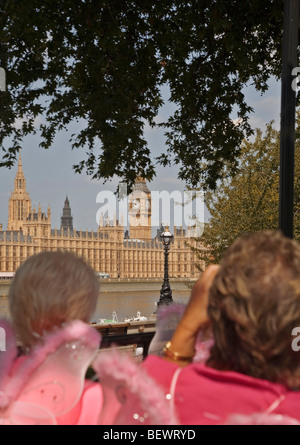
(251, 303)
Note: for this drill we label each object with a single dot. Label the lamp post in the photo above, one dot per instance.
(166, 293)
(288, 111)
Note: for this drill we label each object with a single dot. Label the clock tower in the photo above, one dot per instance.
(140, 211)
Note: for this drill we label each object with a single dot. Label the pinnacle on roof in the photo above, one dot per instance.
(67, 202)
(20, 162)
(141, 185)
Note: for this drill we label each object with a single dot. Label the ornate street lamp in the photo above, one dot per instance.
(166, 293)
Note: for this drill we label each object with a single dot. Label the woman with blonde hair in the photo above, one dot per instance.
(50, 289)
(50, 343)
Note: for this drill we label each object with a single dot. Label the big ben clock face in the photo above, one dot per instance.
(135, 204)
(148, 204)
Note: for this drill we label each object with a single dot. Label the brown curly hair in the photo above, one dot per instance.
(254, 304)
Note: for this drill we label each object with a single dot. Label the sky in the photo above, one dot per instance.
(50, 177)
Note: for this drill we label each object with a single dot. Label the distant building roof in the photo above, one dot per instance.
(14, 235)
(35, 216)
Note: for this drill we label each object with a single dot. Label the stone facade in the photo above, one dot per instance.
(109, 249)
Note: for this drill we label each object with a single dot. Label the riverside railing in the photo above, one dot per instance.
(126, 334)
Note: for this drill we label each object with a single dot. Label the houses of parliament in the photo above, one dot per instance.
(111, 249)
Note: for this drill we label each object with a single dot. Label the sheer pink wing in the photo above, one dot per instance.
(20, 413)
(49, 382)
(8, 355)
(168, 317)
(202, 349)
(131, 397)
(7, 346)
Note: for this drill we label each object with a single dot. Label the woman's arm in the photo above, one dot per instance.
(181, 348)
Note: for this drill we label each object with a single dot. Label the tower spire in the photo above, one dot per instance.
(20, 167)
(66, 219)
(19, 203)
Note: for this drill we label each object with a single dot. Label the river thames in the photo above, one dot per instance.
(123, 297)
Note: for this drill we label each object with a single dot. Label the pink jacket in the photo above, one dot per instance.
(204, 396)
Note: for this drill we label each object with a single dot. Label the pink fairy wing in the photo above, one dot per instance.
(52, 376)
(131, 397)
(13, 412)
(27, 414)
(168, 317)
(7, 356)
(202, 349)
(58, 382)
(8, 351)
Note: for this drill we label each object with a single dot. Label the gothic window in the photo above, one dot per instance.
(20, 211)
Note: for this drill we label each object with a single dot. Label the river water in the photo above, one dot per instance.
(125, 304)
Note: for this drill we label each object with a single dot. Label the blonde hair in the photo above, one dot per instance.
(49, 289)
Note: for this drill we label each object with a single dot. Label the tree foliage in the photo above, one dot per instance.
(103, 63)
(249, 200)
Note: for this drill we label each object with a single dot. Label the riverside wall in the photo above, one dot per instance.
(126, 285)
